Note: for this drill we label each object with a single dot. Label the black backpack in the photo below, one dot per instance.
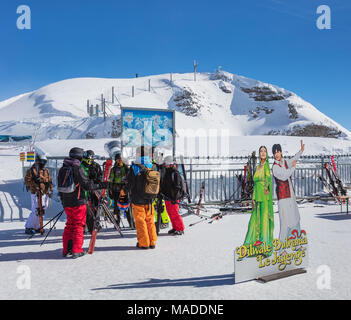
(173, 187)
(65, 181)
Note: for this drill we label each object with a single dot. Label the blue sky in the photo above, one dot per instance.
(274, 41)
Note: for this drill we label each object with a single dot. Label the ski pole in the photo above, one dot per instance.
(51, 228)
(59, 214)
(202, 220)
(216, 217)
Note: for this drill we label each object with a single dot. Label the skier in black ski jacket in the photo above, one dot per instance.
(74, 204)
(172, 189)
(94, 173)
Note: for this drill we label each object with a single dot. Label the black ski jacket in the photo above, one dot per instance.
(77, 198)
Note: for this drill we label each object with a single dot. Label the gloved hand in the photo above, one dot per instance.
(50, 195)
(37, 179)
(104, 184)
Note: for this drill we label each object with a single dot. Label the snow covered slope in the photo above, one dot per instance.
(215, 100)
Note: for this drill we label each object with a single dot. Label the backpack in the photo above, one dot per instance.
(173, 185)
(65, 181)
(150, 185)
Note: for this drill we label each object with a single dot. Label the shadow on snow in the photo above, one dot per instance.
(197, 282)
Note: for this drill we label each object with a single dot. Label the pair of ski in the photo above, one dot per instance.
(334, 185)
(102, 209)
(196, 211)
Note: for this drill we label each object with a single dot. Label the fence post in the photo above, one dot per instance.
(102, 104)
(104, 109)
(191, 179)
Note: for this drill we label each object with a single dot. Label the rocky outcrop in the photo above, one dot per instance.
(265, 93)
(311, 130)
(116, 130)
(293, 114)
(258, 110)
(188, 102)
(224, 87)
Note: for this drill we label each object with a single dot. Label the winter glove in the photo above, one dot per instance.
(104, 184)
(47, 184)
(37, 180)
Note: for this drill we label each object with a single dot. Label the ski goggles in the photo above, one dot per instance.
(88, 161)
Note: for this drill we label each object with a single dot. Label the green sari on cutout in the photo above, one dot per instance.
(261, 223)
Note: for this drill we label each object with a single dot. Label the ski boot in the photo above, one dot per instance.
(29, 231)
(69, 249)
(78, 254)
(164, 225)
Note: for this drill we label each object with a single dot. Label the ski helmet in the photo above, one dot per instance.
(89, 154)
(168, 161)
(41, 160)
(76, 153)
(118, 156)
(88, 157)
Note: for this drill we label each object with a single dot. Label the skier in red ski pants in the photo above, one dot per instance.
(74, 229)
(75, 204)
(174, 216)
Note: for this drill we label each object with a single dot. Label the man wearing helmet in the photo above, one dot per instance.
(93, 168)
(117, 180)
(37, 180)
(74, 203)
(94, 173)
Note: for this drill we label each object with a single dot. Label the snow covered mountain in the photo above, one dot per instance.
(215, 100)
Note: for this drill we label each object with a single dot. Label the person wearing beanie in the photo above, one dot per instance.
(172, 190)
(282, 171)
(143, 210)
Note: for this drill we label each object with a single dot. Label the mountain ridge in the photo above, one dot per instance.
(219, 99)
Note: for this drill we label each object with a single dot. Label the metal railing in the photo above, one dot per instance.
(222, 184)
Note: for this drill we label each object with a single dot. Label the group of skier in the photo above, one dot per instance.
(150, 186)
(79, 182)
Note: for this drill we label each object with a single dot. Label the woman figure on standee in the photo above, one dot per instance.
(261, 223)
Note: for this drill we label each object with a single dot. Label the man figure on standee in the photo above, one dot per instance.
(37, 180)
(74, 201)
(282, 170)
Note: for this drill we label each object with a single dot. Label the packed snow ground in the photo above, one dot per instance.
(198, 265)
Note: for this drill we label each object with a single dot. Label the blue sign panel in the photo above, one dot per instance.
(148, 127)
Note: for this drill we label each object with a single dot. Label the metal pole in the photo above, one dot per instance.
(113, 95)
(102, 105)
(104, 109)
(132, 91)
